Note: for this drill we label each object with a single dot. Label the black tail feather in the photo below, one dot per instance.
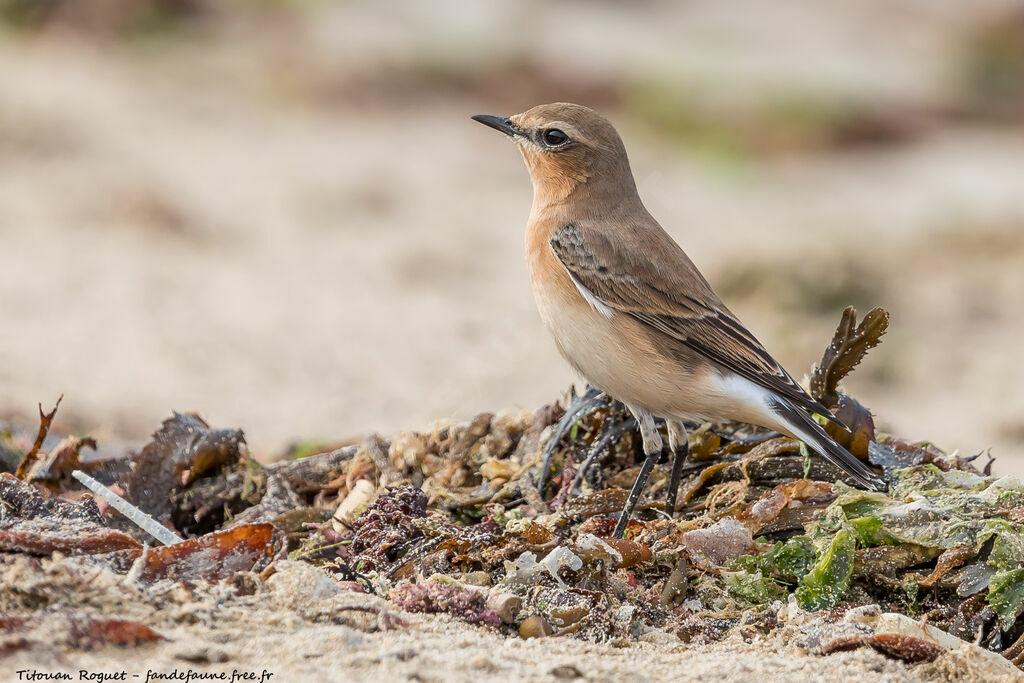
(801, 425)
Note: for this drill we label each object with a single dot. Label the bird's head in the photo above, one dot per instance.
(567, 148)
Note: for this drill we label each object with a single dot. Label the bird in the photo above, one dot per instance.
(631, 313)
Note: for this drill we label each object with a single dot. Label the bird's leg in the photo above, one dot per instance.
(652, 451)
(679, 442)
(579, 405)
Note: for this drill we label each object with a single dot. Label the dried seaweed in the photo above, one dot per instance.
(45, 419)
(78, 631)
(437, 596)
(32, 522)
(849, 345)
(386, 527)
(714, 546)
(184, 449)
(56, 467)
(89, 632)
(212, 557)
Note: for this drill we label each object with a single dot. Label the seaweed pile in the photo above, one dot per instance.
(506, 522)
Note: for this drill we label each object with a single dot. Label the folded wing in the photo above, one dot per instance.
(655, 282)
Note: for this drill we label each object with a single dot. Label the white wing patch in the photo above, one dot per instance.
(595, 303)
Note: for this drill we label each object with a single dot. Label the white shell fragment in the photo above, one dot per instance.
(358, 499)
(526, 567)
(140, 518)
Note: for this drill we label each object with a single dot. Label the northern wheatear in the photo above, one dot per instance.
(628, 309)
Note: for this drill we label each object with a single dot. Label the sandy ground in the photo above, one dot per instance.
(440, 649)
(281, 630)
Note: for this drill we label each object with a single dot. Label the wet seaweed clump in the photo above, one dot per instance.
(387, 526)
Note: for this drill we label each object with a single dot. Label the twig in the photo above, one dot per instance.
(140, 518)
(44, 428)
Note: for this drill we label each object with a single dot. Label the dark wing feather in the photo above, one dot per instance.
(681, 305)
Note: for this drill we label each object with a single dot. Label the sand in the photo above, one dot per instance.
(281, 630)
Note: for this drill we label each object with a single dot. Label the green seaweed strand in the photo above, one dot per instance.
(826, 583)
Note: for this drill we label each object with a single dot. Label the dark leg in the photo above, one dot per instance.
(652, 451)
(579, 405)
(680, 444)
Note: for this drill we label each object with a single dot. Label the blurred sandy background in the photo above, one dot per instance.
(279, 214)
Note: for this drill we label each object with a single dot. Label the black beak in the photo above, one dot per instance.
(501, 123)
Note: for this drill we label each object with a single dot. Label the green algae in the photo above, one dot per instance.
(755, 588)
(1006, 596)
(928, 509)
(770, 575)
(826, 582)
(786, 561)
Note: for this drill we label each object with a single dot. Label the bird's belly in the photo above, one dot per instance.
(615, 355)
(620, 356)
(590, 344)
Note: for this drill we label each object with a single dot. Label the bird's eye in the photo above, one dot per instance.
(554, 137)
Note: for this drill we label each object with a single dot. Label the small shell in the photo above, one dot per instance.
(535, 627)
(357, 500)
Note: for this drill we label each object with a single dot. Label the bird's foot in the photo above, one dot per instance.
(579, 407)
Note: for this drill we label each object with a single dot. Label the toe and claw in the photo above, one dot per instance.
(579, 405)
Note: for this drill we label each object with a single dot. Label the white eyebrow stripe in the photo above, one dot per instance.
(595, 303)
